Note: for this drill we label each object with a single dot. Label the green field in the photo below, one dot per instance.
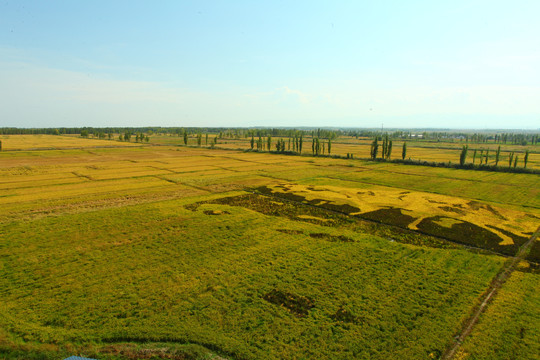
(171, 252)
(497, 338)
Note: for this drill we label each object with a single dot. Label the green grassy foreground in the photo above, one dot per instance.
(495, 337)
(162, 273)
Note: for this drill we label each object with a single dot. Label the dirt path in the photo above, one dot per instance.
(497, 282)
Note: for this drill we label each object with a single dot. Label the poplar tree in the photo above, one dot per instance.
(497, 155)
(374, 148)
(524, 160)
(185, 138)
(515, 161)
(404, 150)
(463, 155)
(474, 156)
(329, 146)
(269, 141)
(252, 142)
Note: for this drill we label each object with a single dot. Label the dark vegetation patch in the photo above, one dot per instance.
(341, 208)
(534, 252)
(215, 212)
(519, 240)
(268, 206)
(283, 195)
(468, 234)
(452, 209)
(297, 304)
(436, 202)
(329, 237)
(319, 235)
(194, 206)
(475, 205)
(344, 208)
(391, 216)
(494, 212)
(434, 354)
(291, 232)
(533, 268)
(345, 316)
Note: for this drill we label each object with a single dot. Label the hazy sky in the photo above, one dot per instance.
(461, 64)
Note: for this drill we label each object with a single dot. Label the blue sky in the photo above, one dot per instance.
(460, 64)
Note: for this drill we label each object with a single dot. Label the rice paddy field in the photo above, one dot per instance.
(118, 250)
(430, 151)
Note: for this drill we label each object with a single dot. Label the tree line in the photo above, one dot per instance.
(484, 158)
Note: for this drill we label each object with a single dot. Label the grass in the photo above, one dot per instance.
(497, 338)
(143, 273)
(120, 253)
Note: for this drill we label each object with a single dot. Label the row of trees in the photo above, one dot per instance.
(126, 136)
(319, 147)
(386, 148)
(515, 138)
(503, 138)
(512, 158)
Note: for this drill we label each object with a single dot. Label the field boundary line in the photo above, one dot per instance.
(495, 285)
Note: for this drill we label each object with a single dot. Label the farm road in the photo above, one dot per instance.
(497, 282)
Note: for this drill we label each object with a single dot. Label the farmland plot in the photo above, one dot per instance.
(121, 252)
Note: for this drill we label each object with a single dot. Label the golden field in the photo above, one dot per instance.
(125, 251)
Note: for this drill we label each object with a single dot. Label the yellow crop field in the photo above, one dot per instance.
(418, 206)
(33, 142)
(115, 252)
